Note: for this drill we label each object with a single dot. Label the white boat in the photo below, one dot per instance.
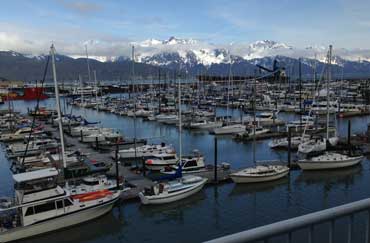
(18, 149)
(263, 119)
(20, 134)
(172, 191)
(41, 206)
(76, 131)
(329, 160)
(283, 142)
(316, 145)
(229, 129)
(205, 124)
(144, 151)
(189, 164)
(160, 160)
(260, 173)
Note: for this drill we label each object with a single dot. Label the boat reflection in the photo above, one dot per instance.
(252, 188)
(108, 224)
(344, 176)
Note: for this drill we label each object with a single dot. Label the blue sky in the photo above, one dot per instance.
(28, 24)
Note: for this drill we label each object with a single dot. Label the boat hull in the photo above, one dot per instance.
(56, 223)
(324, 165)
(172, 198)
(256, 179)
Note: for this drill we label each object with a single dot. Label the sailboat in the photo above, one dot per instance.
(320, 144)
(41, 205)
(229, 128)
(179, 188)
(328, 160)
(262, 172)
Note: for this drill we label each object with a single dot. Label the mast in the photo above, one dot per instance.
(133, 76)
(327, 92)
(88, 65)
(254, 121)
(300, 92)
(96, 90)
(57, 98)
(180, 124)
(228, 90)
(82, 91)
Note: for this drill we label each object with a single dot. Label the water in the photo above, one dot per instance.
(216, 211)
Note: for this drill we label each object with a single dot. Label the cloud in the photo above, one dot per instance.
(81, 7)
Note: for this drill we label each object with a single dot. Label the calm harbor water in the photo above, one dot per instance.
(217, 210)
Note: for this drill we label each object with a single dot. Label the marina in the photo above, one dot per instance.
(227, 193)
(181, 139)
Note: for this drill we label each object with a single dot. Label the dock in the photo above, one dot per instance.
(135, 179)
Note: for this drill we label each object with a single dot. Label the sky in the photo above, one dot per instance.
(30, 26)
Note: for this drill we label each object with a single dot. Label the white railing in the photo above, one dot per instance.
(308, 221)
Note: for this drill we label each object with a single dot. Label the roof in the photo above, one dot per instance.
(34, 175)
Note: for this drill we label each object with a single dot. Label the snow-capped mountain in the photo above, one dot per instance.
(197, 56)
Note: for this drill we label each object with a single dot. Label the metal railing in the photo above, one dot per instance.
(308, 221)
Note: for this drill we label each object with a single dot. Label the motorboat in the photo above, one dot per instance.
(34, 147)
(144, 151)
(20, 134)
(171, 191)
(329, 160)
(284, 143)
(41, 206)
(205, 124)
(160, 160)
(229, 129)
(260, 173)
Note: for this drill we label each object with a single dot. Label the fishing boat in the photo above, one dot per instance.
(329, 160)
(171, 191)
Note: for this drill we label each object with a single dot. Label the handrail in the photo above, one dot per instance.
(293, 224)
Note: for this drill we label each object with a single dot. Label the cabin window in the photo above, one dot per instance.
(191, 163)
(44, 207)
(67, 203)
(91, 183)
(29, 211)
(59, 204)
(170, 157)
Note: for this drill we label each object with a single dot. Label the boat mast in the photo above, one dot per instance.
(228, 90)
(133, 76)
(82, 92)
(88, 65)
(327, 92)
(96, 91)
(57, 98)
(180, 122)
(254, 121)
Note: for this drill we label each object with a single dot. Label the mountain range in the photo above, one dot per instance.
(193, 57)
